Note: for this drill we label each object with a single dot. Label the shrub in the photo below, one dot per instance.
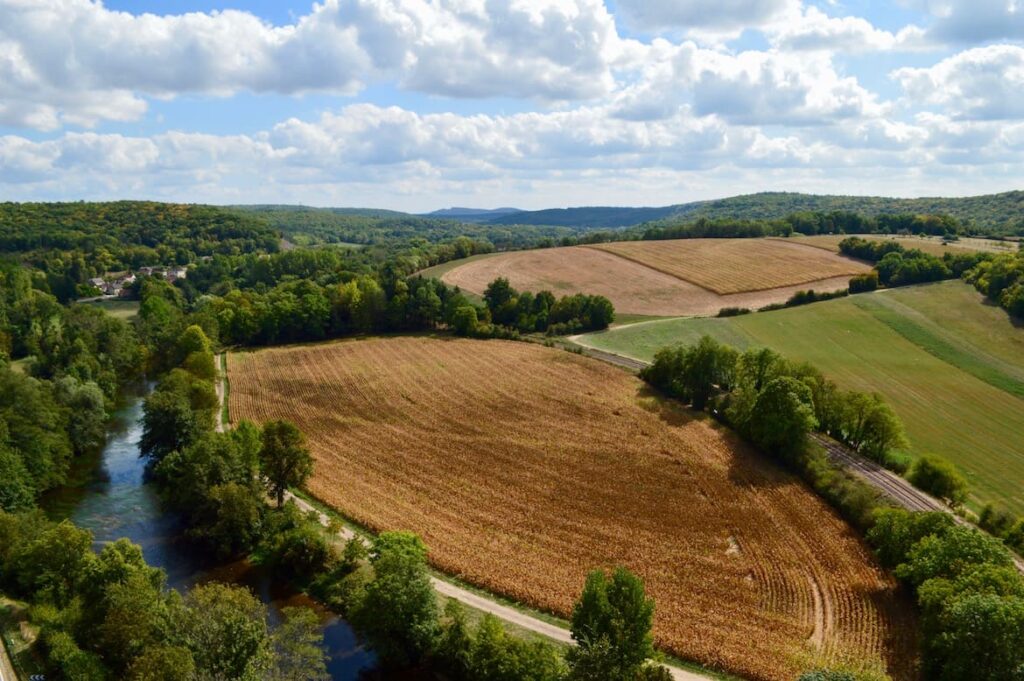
(939, 478)
(864, 283)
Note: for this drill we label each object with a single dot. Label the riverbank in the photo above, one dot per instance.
(108, 495)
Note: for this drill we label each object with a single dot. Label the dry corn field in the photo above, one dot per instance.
(524, 467)
(632, 287)
(736, 265)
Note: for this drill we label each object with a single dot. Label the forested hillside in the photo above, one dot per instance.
(306, 226)
(993, 213)
(592, 217)
(164, 233)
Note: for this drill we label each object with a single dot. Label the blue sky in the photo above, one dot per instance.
(421, 104)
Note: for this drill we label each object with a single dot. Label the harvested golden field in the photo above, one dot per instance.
(736, 265)
(632, 287)
(930, 245)
(524, 467)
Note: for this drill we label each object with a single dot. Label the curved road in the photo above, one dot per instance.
(447, 589)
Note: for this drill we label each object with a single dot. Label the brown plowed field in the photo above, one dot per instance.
(736, 265)
(523, 467)
(638, 288)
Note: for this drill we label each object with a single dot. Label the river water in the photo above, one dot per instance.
(107, 495)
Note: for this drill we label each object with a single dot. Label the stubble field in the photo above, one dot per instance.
(736, 265)
(523, 467)
(671, 278)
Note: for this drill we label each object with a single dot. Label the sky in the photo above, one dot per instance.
(423, 104)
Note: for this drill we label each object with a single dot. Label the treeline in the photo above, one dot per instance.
(807, 223)
(541, 312)
(306, 226)
(969, 592)
(776, 402)
(54, 404)
(993, 213)
(1001, 279)
(999, 276)
(324, 266)
(896, 265)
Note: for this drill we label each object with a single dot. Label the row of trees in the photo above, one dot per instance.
(899, 266)
(527, 312)
(1001, 279)
(775, 402)
(803, 222)
(970, 593)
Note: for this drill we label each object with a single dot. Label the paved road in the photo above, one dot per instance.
(470, 598)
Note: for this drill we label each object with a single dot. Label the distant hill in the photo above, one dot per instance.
(472, 214)
(993, 212)
(594, 217)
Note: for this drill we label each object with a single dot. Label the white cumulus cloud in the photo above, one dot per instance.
(980, 83)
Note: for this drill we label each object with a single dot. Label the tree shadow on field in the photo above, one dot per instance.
(670, 411)
(747, 467)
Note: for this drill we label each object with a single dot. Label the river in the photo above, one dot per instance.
(107, 495)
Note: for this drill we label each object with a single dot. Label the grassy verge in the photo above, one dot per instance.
(123, 309)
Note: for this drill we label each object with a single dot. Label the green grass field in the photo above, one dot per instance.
(125, 309)
(951, 366)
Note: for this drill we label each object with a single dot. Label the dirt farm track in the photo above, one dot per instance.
(523, 467)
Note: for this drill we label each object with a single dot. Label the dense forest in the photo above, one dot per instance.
(307, 226)
(994, 213)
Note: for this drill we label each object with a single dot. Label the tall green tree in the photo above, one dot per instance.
(398, 612)
(783, 415)
(284, 459)
(611, 623)
(225, 628)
